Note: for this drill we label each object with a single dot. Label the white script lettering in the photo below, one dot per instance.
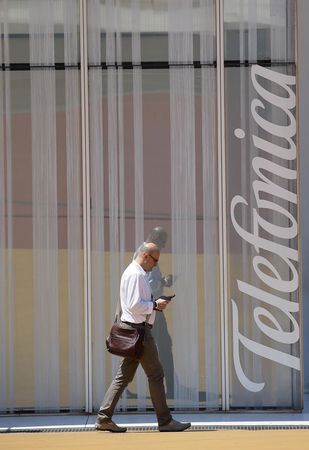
(269, 174)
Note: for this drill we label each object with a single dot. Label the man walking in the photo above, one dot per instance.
(158, 282)
(138, 311)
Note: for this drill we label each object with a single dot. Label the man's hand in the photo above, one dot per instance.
(161, 304)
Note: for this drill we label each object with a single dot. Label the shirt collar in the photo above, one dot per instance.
(139, 267)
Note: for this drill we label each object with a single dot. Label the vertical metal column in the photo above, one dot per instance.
(297, 20)
(86, 202)
(222, 204)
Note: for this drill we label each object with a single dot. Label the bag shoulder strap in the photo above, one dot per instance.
(118, 311)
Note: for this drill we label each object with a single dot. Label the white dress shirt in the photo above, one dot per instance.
(135, 295)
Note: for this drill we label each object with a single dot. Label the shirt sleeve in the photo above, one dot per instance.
(137, 300)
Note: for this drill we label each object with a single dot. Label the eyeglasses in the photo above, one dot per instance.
(155, 260)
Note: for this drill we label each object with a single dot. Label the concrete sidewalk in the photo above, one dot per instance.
(147, 422)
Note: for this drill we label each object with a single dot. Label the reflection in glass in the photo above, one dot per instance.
(154, 163)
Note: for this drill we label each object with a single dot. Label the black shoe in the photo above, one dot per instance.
(174, 425)
(108, 425)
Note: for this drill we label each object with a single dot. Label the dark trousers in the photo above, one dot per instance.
(164, 344)
(127, 369)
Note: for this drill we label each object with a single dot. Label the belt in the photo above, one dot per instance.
(141, 324)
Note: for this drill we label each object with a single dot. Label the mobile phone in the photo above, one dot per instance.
(167, 297)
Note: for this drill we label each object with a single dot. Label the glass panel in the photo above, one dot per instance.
(41, 300)
(153, 148)
(264, 315)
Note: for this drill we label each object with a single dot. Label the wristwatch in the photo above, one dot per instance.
(155, 306)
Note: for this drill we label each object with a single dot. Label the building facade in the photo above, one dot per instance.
(117, 116)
